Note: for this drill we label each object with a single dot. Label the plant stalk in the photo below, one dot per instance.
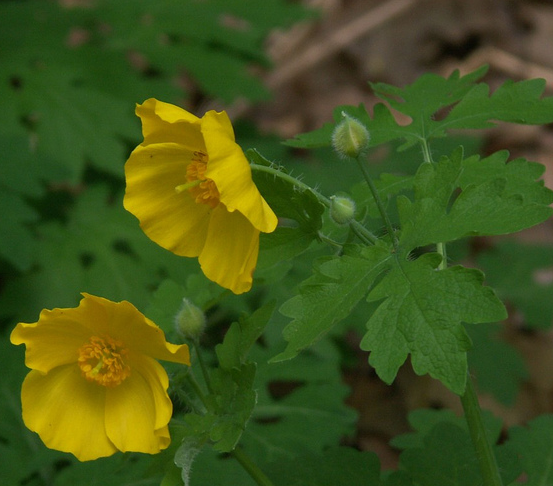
(363, 233)
(378, 202)
(480, 440)
(251, 468)
(203, 366)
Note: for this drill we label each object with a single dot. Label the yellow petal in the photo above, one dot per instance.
(123, 321)
(231, 172)
(163, 122)
(67, 412)
(172, 219)
(230, 253)
(138, 410)
(51, 341)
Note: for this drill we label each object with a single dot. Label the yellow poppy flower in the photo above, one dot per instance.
(95, 386)
(191, 188)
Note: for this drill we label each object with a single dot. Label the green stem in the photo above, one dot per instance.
(251, 468)
(378, 202)
(484, 452)
(426, 151)
(199, 392)
(441, 247)
(292, 180)
(363, 233)
(473, 416)
(203, 366)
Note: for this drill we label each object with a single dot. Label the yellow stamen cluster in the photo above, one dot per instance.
(204, 191)
(103, 360)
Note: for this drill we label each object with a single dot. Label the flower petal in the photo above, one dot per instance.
(67, 412)
(231, 172)
(163, 122)
(138, 410)
(53, 340)
(124, 322)
(173, 220)
(230, 253)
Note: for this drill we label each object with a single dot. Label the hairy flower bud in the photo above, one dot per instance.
(350, 137)
(190, 320)
(342, 209)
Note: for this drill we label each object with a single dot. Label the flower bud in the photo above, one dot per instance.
(190, 320)
(342, 209)
(350, 137)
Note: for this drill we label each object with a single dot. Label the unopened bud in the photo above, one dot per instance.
(350, 137)
(342, 209)
(190, 320)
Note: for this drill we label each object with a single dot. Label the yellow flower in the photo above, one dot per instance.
(95, 386)
(191, 188)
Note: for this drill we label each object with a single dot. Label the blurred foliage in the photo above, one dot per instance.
(69, 82)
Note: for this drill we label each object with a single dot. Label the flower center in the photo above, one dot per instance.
(203, 190)
(103, 360)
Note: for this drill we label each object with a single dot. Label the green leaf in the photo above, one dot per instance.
(233, 397)
(521, 274)
(535, 447)
(109, 471)
(442, 429)
(498, 367)
(101, 250)
(421, 316)
(423, 420)
(337, 466)
(301, 407)
(447, 456)
(299, 211)
(425, 99)
(327, 297)
(231, 405)
(235, 401)
(165, 303)
(241, 336)
(495, 198)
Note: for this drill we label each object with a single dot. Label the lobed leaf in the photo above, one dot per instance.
(327, 297)
(425, 101)
(421, 314)
(456, 198)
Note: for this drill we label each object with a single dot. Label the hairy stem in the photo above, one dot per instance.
(363, 233)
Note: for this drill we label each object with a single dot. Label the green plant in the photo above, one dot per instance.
(264, 401)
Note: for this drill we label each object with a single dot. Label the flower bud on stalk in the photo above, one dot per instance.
(350, 137)
(342, 209)
(190, 321)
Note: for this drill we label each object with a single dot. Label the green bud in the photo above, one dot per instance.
(190, 320)
(342, 209)
(350, 137)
